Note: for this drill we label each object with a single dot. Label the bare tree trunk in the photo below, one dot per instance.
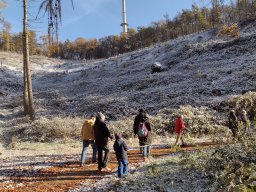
(25, 89)
(25, 92)
(239, 10)
(28, 96)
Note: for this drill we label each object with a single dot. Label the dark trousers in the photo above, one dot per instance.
(234, 132)
(144, 148)
(102, 163)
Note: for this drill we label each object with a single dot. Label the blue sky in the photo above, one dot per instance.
(97, 18)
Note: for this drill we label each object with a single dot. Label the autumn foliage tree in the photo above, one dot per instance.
(187, 21)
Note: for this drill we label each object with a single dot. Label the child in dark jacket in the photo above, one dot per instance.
(121, 149)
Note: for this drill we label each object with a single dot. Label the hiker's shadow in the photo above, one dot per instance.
(58, 176)
(71, 175)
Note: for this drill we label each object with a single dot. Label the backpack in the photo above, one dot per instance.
(142, 130)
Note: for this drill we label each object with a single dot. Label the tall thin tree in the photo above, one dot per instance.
(27, 92)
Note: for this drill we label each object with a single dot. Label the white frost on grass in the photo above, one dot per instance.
(194, 65)
(163, 174)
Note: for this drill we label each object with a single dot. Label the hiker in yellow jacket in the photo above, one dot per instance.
(88, 138)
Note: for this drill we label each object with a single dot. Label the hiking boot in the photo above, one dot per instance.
(146, 159)
(183, 145)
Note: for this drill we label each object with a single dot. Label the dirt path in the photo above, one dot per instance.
(62, 173)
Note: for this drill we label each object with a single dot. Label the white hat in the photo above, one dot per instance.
(101, 116)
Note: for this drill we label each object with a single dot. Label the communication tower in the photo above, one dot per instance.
(124, 24)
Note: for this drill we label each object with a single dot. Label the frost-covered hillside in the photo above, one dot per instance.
(200, 70)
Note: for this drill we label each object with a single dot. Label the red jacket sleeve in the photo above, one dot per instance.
(179, 125)
(182, 125)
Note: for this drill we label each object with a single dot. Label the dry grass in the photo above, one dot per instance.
(199, 122)
(44, 130)
(38, 149)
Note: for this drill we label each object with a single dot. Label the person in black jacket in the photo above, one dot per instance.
(102, 134)
(144, 140)
(121, 149)
(137, 120)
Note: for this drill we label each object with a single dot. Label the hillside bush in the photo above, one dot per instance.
(230, 167)
(199, 121)
(233, 167)
(124, 126)
(247, 102)
(231, 30)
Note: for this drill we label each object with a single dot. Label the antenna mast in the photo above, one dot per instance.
(124, 24)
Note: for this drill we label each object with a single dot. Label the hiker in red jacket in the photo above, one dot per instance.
(179, 129)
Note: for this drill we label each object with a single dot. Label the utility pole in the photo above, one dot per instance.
(124, 24)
